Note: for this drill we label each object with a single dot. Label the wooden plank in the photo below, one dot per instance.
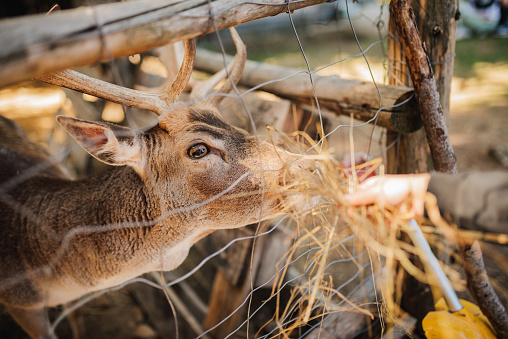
(347, 325)
(154, 306)
(403, 328)
(226, 297)
(340, 96)
(38, 44)
(276, 249)
(231, 262)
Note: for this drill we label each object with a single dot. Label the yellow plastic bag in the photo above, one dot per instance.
(468, 323)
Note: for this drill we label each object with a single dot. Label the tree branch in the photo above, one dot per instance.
(425, 87)
(481, 289)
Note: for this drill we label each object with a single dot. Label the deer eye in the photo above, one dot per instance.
(198, 151)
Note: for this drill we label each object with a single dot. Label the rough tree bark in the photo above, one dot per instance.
(437, 23)
(410, 151)
(425, 86)
(39, 44)
(481, 289)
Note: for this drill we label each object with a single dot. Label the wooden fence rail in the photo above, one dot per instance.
(340, 96)
(38, 44)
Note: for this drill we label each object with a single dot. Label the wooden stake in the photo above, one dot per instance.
(425, 86)
(481, 289)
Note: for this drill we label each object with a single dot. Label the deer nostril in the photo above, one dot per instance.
(310, 166)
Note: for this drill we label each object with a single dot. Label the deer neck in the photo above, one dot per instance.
(114, 197)
(120, 201)
(114, 220)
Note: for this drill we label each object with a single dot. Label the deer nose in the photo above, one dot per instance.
(308, 165)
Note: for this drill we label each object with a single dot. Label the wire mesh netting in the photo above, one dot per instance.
(310, 273)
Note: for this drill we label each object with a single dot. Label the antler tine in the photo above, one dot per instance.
(171, 56)
(158, 102)
(201, 88)
(173, 91)
(235, 70)
(105, 90)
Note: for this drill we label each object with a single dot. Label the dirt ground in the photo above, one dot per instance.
(479, 116)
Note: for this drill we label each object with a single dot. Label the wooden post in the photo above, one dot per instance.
(437, 23)
(411, 154)
(226, 298)
(425, 87)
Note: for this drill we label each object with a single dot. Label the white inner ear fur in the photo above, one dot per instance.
(124, 153)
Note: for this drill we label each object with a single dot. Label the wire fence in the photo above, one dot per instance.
(321, 271)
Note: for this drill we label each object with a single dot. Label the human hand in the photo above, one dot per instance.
(393, 190)
(363, 170)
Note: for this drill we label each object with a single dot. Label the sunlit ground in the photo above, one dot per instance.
(479, 115)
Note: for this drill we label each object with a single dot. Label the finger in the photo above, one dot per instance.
(364, 196)
(418, 206)
(371, 182)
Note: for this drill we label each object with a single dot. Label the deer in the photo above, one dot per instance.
(168, 186)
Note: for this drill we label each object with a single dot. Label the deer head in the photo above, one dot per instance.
(191, 156)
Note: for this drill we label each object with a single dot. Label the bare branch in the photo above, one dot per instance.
(233, 73)
(481, 289)
(425, 88)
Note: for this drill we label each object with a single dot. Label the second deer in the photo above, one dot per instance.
(187, 176)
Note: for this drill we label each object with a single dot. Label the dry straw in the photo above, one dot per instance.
(380, 231)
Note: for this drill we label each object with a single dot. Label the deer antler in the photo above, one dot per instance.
(234, 70)
(158, 102)
(171, 56)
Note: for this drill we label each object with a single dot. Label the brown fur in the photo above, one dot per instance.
(61, 239)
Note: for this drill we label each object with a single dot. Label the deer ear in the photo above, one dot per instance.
(112, 144)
